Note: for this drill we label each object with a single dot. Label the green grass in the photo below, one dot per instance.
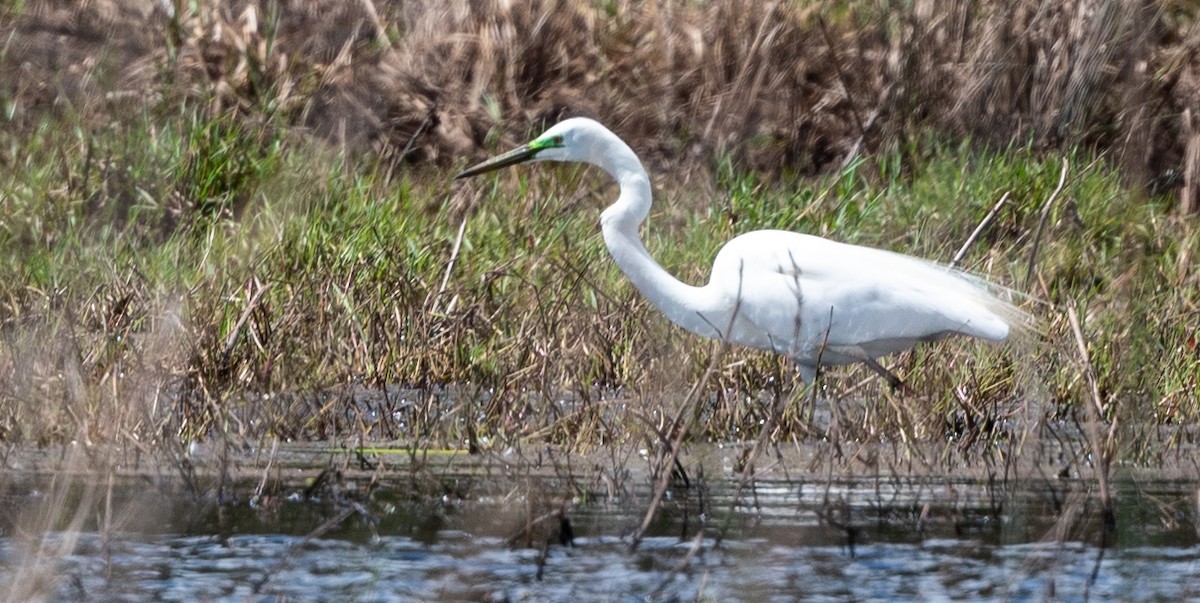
(175, 275)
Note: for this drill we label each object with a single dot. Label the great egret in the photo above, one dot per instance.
(816, 301)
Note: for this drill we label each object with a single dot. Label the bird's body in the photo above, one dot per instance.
(816, 301)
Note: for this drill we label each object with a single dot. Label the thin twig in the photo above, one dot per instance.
(262, 484)
(462, 227)
(1037, 236)
(962, 251)
(1095, 412)
(285, 561)
(664, 477)
(1100, 451)
(738, 87)
(417, 134)
(884, 97)
(748, 465)
(686, 409)
(697, 544)
(250, 306)
(380, 31)
(837, 68)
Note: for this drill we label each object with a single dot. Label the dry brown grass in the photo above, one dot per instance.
(778, 87)
(781, 87)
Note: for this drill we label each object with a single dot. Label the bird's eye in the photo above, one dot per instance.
(558, 140)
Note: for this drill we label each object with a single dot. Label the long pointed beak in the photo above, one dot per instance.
(518, 155)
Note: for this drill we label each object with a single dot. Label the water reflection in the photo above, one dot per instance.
(783, 540)
(463, 567)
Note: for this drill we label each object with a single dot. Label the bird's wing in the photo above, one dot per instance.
(851, 297)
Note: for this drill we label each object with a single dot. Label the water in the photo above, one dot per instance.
(465, 536)
(465, 567)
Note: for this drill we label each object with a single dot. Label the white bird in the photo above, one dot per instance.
(816, 301)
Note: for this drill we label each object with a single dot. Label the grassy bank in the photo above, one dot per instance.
(241, 222)
(180, 274)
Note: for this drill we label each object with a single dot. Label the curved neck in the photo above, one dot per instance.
(620, 223)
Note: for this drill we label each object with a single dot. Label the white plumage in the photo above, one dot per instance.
(816, 301)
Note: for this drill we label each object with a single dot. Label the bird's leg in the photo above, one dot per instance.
(892, 379)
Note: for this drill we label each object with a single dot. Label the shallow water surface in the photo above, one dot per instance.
(447, 536)
(465, 567)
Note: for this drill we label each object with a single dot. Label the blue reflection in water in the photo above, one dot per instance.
(460, 567)
(858, 540)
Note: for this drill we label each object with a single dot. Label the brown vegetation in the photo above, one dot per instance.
(298, 335)
(781, 87)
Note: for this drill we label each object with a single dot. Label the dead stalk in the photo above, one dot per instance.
(1041, 226)
(687, 409)
(962, 251)
(1101, 450)
(748, 465)
(462, 227)
(259, 290)
(859, 125)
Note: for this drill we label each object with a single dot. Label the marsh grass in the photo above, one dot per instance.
(196, 277)
(206, 265)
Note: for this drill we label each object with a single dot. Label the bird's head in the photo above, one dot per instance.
(574, 139)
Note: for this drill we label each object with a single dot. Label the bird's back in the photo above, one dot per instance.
(804, 295)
